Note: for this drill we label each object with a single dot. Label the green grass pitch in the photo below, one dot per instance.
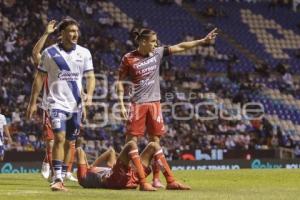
(240, 184)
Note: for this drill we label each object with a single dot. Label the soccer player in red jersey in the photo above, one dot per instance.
(125, 172)
(141, 67)
(47, 134)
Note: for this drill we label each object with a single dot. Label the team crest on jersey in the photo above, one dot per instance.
(79, 55)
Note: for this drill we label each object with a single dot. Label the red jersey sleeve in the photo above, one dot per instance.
(124, 68)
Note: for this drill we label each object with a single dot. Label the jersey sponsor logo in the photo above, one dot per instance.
(80, 61)
(146, 82)
(146, 62)
(147, 70)
(68, 76)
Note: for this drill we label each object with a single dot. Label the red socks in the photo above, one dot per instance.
(70, 164)
(156, 170)
(135, 158)
(48, 159)
(161, 161)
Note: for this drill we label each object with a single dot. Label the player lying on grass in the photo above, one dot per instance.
(126, 171)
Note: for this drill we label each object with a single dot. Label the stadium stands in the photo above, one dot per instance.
(221, 69)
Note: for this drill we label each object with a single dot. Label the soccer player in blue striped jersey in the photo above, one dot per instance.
(65, 64)
(3, 129)
(47, 168)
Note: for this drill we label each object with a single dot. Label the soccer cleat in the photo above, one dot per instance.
(51, 180)
(177, 186)
(69, 176)
(157, 184)
(45, 170)
(147, 187)
(58, 186)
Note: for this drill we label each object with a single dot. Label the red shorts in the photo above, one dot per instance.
(47, 129)
(147, 115)
(122, 177)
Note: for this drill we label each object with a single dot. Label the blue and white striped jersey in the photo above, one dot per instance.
(2, 124)
(65, 72)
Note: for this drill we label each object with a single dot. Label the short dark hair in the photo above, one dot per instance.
(66, 22)
(143, 33)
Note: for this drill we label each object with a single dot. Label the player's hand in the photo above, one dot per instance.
(84, 113)
(211, 36)
(124, 113)
(31, 109)
(88, 100)
(51, 27)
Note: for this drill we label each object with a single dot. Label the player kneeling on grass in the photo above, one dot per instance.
(126, 171)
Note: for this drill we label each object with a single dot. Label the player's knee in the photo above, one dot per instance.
(50, 143)
(79, 151)
(131, 138)
(1, 158)
(132, 145)
(154, 138)
(70, 143)
(154, 146)
(111, 150)
(59, 138)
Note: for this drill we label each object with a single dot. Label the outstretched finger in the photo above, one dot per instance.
(213, 31)
(213, 35)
